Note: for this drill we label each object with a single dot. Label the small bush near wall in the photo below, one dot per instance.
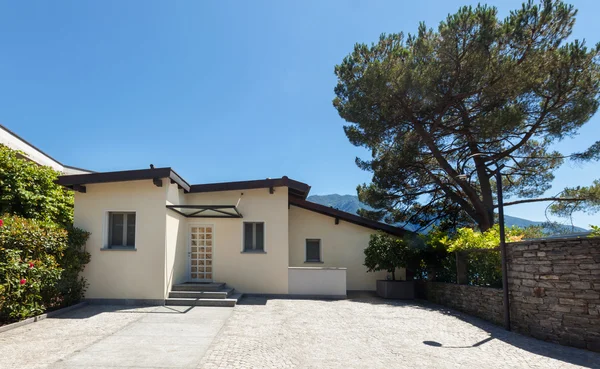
(39, 266)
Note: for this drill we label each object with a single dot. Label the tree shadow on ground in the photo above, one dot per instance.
(89, 311)
(551, 350)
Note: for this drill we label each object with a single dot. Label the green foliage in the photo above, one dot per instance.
(29, 252)
(438, 259)
(434, 260)
(28, 190)
(595, 231)
(439, 109)
(387, 253)
(71, 287)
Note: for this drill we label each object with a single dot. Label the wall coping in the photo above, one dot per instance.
(318, 268)
(551, 240)
(460, 285)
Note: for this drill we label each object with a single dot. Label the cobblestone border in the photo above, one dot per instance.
(37, 318)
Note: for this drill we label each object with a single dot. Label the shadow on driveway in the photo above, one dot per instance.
(551, 350)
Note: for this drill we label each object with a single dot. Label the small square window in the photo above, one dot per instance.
(313, 250)
(254, 236)
(121, 230)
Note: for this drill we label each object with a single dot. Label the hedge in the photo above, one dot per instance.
(39, 266)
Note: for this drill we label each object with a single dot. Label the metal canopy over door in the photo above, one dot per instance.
(200, 253)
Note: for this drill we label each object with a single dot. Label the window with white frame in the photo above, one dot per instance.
(313, 251)
(121, 230)
(254, 236)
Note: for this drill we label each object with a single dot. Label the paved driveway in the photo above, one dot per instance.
(114, 337)
(362, 332)
(365, 332)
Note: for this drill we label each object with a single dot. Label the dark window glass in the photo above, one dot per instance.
(260, 236)
(116, 229)
(248, 236)
(313, 250)
(131, 229)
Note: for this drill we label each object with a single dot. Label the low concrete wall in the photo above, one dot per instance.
(315, 281)
(482, 302)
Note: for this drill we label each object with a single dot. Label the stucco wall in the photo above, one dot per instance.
(175, 241)
(113, 274)
(314, 281)
(342, 246)
(249, 272)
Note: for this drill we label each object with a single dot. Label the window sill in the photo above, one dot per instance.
(118, 249)
(253, 252)
(313, 262)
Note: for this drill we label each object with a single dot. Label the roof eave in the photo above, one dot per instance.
(351, 218)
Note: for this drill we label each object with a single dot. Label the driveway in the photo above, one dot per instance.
(366, 332)
(114, 337)
(362, 332)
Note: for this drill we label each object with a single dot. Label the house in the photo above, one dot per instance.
(32, 153)
(152, 233)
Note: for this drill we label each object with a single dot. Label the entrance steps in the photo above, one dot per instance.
(202, 294)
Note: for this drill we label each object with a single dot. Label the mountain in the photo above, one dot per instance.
(350, 204)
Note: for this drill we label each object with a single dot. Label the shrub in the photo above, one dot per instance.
(39, 266)
(483, 260)
(28, 265)
(28, 190)
(387, 253)
(71, 287)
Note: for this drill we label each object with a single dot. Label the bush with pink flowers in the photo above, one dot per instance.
(37, 259)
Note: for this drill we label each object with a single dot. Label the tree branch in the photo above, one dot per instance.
(542, 199)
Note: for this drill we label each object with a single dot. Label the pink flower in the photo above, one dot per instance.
(30, 265)
(23, 281)
(1, 222)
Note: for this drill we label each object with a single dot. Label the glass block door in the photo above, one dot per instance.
(201, 252)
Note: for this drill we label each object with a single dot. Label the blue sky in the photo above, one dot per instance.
(218, 90)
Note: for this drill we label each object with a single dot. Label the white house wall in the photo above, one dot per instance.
(342, 246)
(120, 274)
(262, 273)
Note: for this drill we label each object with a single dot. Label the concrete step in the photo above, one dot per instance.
(190, 286)
(204, 302)
(221, 294)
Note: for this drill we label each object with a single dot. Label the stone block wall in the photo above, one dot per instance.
(482, 302)
(554, 288)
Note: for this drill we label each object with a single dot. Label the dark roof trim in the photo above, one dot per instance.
(295, 188)
(122, 176)
(351, 218)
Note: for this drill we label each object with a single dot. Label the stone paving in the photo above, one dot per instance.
(366, 332)
(114, 337)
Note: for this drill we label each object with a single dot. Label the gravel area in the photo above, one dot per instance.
(367, 332)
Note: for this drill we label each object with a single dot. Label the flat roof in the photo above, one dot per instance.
(122, 176)
(298, 191)
(295, 188)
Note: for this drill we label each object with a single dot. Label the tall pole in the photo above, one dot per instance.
(503, 251)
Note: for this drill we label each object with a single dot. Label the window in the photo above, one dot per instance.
(313, 251)
(254, 236)
(121, 230)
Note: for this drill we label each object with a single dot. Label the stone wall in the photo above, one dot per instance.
(482, 302)
(554, 288)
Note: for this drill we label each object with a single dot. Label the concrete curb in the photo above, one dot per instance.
(34, 319)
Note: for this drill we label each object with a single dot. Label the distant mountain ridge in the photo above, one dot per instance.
(350, 204)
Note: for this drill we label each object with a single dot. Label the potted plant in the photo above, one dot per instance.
(389, 253)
